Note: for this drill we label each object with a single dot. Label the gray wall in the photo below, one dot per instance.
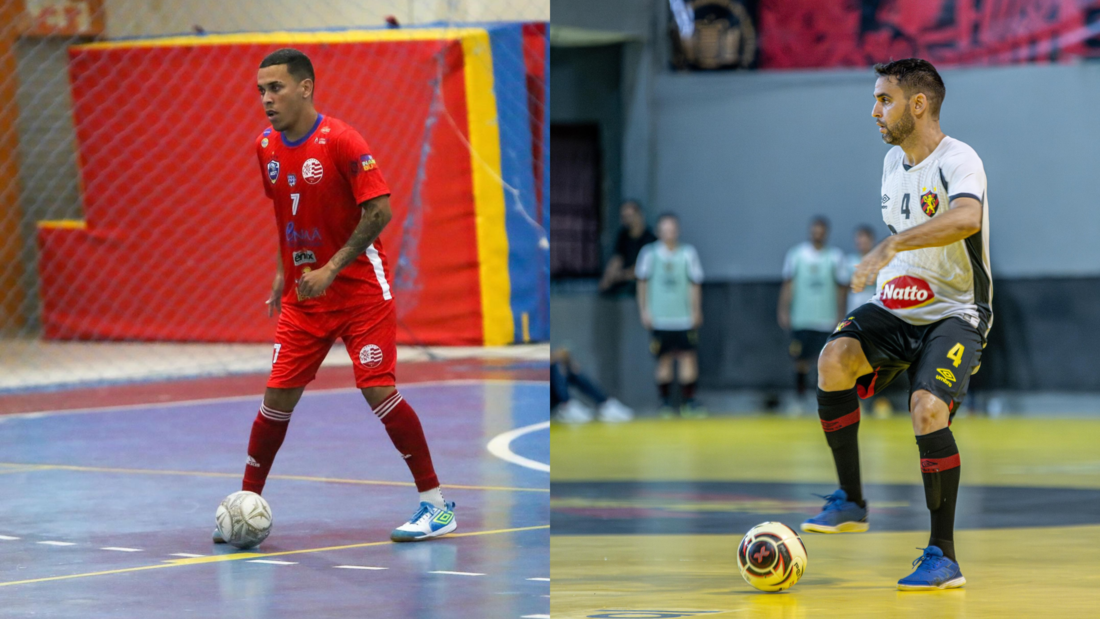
(585, 88)
(748, 158)
(628, 17)
(608, 342)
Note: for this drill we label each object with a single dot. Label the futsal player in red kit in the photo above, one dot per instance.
(331, 204)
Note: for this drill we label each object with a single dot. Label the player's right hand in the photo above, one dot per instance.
(867, 270)
(275, 301)
(647, 322)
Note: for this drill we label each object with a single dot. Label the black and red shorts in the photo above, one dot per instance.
(940, 357)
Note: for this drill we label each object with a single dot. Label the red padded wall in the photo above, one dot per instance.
(181, 242)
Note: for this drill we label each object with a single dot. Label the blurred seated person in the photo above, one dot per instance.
(564, 373)
(634, 234)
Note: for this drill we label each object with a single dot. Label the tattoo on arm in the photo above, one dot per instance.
(376, 214)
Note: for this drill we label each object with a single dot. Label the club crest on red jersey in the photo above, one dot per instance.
(370, 356)
(291, 179)
(273, 170)
(906, 292)
(312, 171)
(930, 202)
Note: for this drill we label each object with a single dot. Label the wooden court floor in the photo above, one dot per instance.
(646, 518)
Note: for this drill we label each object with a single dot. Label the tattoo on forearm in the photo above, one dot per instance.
(370, 226)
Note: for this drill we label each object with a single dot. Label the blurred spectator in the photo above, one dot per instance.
(670, 300)
(812, 300)
(564, 373)
(634, 234)
(865, 241)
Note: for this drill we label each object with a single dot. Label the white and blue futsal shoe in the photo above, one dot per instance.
(428, 522)
(934, 571)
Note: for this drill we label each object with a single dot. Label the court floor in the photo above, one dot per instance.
(646, 518)
(107, 512)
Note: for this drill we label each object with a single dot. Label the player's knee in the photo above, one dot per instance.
(376, 395)
(283, 400)
(834, 365)
(664, 363)
(929, 412)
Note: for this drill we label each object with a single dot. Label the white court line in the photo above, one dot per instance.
(58, 543)
(535, 617)
(273, 562)
(540, 579)
(258, 396)
(358, 567)
(8, 537)
(500, 447)
(117, 549)
(455, 573)
(185, 554)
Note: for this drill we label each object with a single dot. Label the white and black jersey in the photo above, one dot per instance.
(923, 286)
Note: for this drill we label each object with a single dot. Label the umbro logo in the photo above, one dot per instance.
(252, 462)
(885, 198)
(946, 377)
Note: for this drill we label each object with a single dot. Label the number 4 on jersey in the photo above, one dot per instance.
(956, 354)
(904, 205)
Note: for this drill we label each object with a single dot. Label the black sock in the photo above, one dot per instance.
(839, 412)
(663, 390)
(800, 383)
(687, 391)
(939, 467)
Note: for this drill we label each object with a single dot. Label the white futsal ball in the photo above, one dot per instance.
(771, 557)
(244, 519)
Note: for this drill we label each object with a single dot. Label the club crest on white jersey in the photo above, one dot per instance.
(923, 286)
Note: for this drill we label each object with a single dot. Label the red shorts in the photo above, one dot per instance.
(303, 340)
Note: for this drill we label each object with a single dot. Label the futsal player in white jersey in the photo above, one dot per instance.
(930, 314)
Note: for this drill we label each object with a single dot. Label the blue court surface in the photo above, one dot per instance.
(108, 512)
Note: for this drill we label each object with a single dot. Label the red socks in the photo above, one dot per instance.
(400, 420)
(268, 432)
(404, 429)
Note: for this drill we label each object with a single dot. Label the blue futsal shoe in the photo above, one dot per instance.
(934, 571)
(429, 521)
(838, 516)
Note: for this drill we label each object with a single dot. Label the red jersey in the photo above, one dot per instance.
(317, 184)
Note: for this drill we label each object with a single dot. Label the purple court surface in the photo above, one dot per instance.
(107, 512)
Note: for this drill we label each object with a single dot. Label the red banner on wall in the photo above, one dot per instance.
(836, 33)
(797, 34)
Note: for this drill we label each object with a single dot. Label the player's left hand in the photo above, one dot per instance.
(314, 283)
(867, 270)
